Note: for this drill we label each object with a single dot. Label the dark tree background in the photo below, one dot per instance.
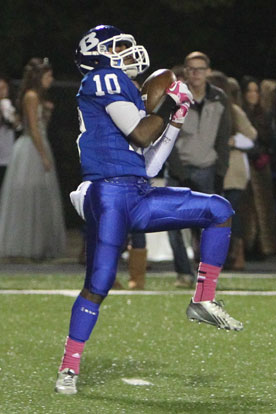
(238, 35)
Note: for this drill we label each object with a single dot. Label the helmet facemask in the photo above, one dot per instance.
(139, 59)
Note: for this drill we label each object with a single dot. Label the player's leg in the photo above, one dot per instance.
(172, 208)
(106, 233)
(203, 306)
(214, 247)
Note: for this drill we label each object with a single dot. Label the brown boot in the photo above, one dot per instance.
(235, 260)
(117, 285)
(137, 268)
(238, 255)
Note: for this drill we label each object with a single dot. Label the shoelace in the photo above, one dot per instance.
(69, 380)
(221, 313)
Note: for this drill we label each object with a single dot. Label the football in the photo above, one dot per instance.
(154, 87)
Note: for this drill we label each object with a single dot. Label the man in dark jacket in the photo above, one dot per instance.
(200, 156)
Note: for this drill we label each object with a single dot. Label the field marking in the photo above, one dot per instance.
(136, 381)
(240, 275)
(74, 293)
(247, 276)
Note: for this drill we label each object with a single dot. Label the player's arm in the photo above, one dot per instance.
(139, 129)
(142, 131)
(157, 153)
(150, 128)
(147, 131)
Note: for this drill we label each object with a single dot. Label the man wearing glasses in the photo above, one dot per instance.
(199, 159)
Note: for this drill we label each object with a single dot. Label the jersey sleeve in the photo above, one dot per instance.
(125, 115)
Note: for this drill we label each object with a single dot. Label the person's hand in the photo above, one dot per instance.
(48, 105)
(180, 93)
(46, 163)
(48, 108)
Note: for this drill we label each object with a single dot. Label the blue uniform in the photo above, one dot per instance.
(120, 199)
(104, 150)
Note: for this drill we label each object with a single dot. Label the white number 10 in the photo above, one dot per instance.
(111, 83)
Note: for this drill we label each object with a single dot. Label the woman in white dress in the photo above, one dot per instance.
(31, 215)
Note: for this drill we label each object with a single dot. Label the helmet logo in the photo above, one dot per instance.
(88, 42)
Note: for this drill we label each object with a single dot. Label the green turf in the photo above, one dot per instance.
(153, 282)
(194, 369)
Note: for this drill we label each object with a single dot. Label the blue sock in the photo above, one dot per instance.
(83, 319)
(214, 245)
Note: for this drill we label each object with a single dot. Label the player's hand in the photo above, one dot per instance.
(180, 115)
(180, 93)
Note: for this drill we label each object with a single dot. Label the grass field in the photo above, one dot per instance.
(191, 368)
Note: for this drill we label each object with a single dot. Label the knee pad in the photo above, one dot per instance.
(220, 208)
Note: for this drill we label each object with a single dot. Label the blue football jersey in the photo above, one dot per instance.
(104, 149)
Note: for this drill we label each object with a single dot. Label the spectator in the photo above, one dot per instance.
(8, 123)
(199, 159)
(268, 103)
(258, 204)
(237, 175)
(267, 90)
(31, 217)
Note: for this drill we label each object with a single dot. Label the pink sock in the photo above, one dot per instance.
(206, 282)
(72, 355)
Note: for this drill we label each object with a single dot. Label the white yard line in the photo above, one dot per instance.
(241, 275)
(74, 293)
(247, 276)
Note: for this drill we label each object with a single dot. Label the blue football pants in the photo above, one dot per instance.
(117, 206)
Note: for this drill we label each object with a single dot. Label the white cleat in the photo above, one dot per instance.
(66, 382)
(212, 312)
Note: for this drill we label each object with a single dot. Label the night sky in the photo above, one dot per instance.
(239, 36)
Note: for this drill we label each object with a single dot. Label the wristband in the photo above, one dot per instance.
(171, 133)
(165, 108)
(157, 153)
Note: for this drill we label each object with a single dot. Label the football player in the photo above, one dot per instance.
(120, 147)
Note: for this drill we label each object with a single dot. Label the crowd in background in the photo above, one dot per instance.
(243, 167)
(31, 215)
(250, 180)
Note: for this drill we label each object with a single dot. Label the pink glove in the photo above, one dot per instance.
(180, 115)
(180, 93)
